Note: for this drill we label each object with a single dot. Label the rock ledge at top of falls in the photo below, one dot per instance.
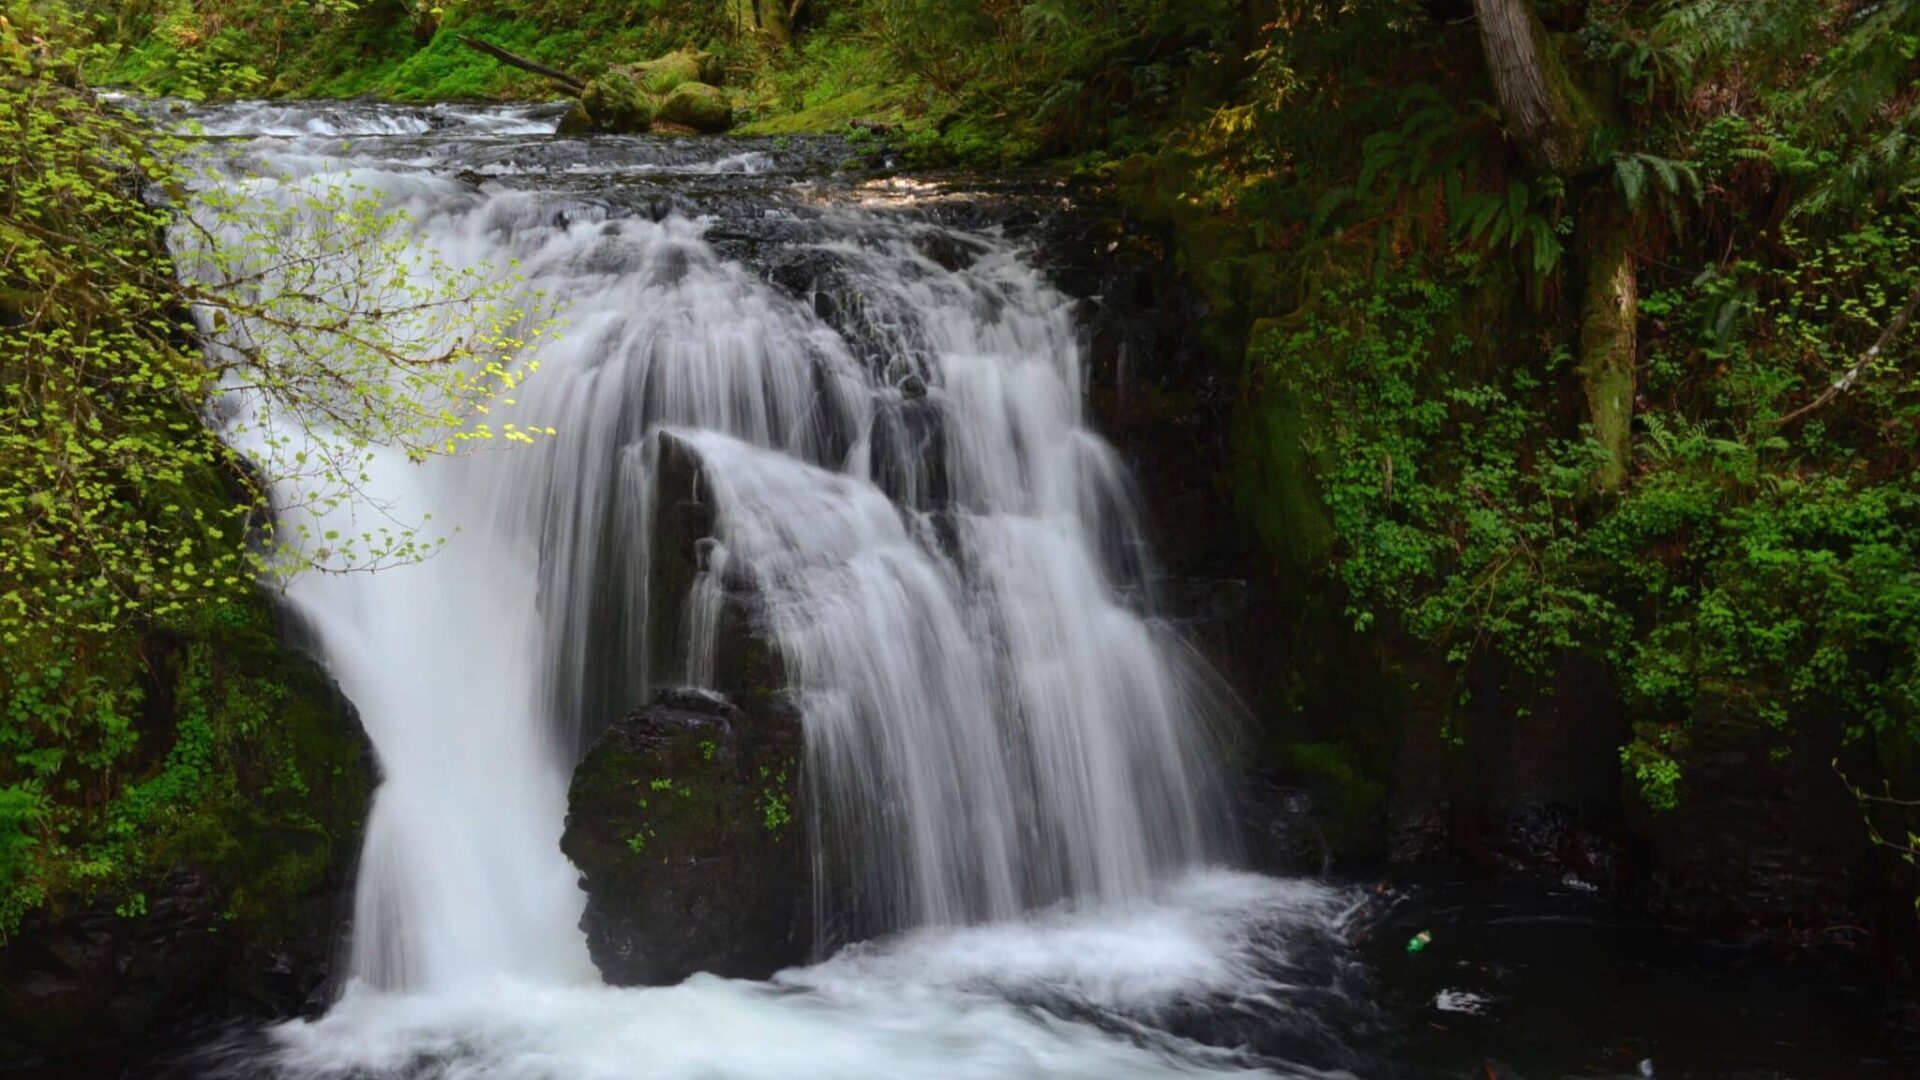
(684, 821)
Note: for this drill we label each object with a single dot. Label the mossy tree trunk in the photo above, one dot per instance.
(772, 18)
(1609, 311)
(1553, 126)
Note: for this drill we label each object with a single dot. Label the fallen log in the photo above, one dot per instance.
(566, 82)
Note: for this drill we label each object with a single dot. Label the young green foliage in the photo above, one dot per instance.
(305, 318)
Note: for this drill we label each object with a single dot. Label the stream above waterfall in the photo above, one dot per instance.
(1022, 758)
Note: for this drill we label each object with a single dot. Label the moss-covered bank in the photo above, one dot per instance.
(208, 870)
(181, 790)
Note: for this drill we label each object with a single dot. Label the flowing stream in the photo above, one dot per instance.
(1013, 756)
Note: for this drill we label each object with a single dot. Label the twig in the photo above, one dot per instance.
(1846, 381)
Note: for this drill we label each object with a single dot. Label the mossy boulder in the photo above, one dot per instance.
(698, 106)
(576, 120)
(683, 821)
(614, 104)
(675, 91)
(662, 74)
(217, 877)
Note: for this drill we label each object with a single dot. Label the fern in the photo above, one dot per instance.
(1671, 182)
(1869, 59)
(1877, 61)
(1521, 219)
(1427, 144)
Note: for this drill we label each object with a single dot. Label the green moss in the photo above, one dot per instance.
(446, 70)
(663, 802)
(1354, 794)
(1274, 489)
(613, 103)
(698, 106)
(776, 797)
(278, 800)
(662, 74)
(205, 742)
(827, 115)
(1608, 331)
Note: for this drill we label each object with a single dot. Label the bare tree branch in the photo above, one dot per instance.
(567, 82)
(1859, 368)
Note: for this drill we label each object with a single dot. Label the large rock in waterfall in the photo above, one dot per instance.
(683, 821)
(685, 817)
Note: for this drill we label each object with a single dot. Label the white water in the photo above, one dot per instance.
(946, 1005)
(993, 726)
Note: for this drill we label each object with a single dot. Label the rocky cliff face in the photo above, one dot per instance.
(1358, 748)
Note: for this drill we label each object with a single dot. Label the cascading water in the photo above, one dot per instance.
(946, 559)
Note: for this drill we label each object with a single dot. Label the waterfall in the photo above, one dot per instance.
(887, 418)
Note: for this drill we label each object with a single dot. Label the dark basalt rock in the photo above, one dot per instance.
(909, 450)
(892, 346)
(682, 518)
(1280, 827)
(1763, 844)
(1151, 389)
(1547, 842)
(684, 821)
(685, 816)
(950, 250)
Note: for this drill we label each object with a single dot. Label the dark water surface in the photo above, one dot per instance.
(1525, 982)
(1553, 984)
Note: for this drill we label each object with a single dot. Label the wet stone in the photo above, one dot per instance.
(684, 820)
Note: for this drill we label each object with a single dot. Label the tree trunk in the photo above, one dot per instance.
(1543, 111)
(773, 21)
(1553, 125)
(770, 18)
(1609, 314)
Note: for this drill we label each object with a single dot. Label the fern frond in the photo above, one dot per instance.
(1631, 174)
